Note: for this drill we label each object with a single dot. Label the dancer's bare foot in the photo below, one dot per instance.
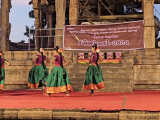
(43, 91)
(92, 92)
(67, 95)
(48, 95)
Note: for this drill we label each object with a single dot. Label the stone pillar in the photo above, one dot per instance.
(37, 22)
(73, 12)
(3, 25)
(149, 29)
(51, 9)
(5, 8)
(8, 27)
(60, 21)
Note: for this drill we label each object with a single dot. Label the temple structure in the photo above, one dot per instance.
(57, 12)
(139, 69)
(106, 11)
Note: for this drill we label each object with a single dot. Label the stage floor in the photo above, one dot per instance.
(138, 100)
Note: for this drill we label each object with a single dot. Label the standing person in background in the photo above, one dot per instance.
(39, 72)
(94, 77)
(58, 80)
(3, 63)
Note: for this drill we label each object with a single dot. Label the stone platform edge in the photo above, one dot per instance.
(76, 114)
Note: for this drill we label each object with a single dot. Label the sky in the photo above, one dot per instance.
(19, 19)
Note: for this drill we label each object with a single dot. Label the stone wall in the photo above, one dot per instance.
(41, 114)
(139, 69)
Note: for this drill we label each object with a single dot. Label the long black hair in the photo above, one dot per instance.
(0, 63)
(42, 59)
(60, 54)
(95, 47)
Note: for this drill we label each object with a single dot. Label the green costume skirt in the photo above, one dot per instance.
(35, 75)
(94, 78)
(58, 81)
(2, 80)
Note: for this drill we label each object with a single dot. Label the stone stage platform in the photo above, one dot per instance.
(32, 104)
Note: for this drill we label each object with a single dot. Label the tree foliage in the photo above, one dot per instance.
(32, 32)
(31, 14)
(22, 41)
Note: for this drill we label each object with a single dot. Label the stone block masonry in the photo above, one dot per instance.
(139, 69)
(54, 114)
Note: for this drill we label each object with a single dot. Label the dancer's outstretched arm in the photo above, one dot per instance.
(65, 62)
(100, 60)
(7, 64)
(52, 61)
(91, 57)
(34, 61)
(47, 61)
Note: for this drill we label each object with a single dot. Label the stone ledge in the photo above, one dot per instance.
(139, 116)
(15, 86)
(28, 114)
(35, 114)
(10, 114)
(146, 87)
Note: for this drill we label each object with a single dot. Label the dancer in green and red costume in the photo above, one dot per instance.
(3, 63)
(39, 72)
(94, 78)
(58, 80)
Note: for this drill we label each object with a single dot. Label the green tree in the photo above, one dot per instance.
(22, 41)
(31, 15)
(32, 32)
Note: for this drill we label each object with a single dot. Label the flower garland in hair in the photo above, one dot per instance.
(41, 50)
(60, 50)
(0, 54)
(97, 50)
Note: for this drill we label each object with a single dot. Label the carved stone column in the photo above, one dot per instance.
(149, 29)
(37, 22)
(8, 26)
(5, 25)
(51, 9)
(73, 12)
(60, 21)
